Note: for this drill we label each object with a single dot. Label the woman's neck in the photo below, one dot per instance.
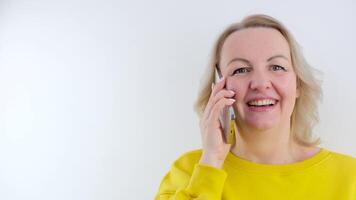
(273, 146)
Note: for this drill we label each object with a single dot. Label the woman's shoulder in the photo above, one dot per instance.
(187, 160)
(343, 156)
(343, 161)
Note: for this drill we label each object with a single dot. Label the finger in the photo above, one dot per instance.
(217, 111)
(215, 88)
(214, 99)
(218, 86)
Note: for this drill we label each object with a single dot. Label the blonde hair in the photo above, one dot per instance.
(305, 113)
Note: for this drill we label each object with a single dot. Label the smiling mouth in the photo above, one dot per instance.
(262, 103)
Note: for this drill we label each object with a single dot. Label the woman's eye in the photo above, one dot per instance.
(240, 70)
(277, 67)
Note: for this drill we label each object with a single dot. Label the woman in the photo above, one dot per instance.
(274, 94)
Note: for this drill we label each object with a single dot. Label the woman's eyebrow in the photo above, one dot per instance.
(278, 56)
(248, 62)
(238, 59)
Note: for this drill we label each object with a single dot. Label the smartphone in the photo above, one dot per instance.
(228, 118)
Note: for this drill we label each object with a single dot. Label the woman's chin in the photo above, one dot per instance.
(261, 125)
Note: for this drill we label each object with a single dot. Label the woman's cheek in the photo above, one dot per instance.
(236, 85)
(288, 86)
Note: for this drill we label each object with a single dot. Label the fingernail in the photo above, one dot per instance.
(232, 92)
(232, 100)
(221, 79)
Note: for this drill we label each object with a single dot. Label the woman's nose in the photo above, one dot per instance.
(260, 81)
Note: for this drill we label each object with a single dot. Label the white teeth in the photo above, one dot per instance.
(262, 102)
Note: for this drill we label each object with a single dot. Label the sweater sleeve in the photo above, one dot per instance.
(202, 183)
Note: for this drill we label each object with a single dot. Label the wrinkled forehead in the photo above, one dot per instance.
(255, 44)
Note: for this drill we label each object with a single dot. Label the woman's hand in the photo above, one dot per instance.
(215, 148)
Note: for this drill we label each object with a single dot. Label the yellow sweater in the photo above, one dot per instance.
(325, 176)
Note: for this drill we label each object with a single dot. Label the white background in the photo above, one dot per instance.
(97, 96)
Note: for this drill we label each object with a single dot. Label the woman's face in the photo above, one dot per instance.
(258, 65)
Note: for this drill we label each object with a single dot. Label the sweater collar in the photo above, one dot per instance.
(246, 165)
